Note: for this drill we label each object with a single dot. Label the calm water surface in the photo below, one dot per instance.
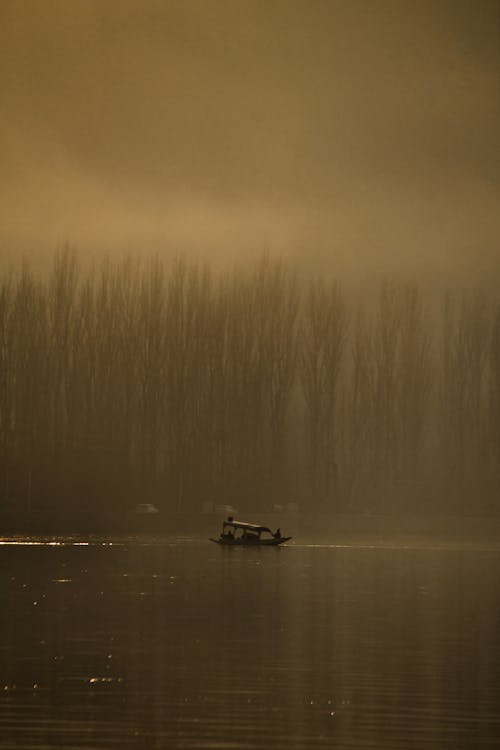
(177, 643)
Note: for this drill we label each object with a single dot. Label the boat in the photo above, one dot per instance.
(240, 534)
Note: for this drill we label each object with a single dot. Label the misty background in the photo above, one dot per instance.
(281, 264)
(182, 387)
(249, 257)
(355, 136)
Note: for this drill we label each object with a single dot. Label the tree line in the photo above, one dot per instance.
(177, 385)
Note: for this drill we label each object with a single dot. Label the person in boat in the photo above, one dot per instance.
(227, 534)
(249, 536)
(277, 534)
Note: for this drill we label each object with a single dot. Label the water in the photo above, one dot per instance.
(177, 643)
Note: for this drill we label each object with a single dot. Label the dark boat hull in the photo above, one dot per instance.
(253, 543)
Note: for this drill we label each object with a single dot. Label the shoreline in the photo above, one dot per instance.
(336, 527)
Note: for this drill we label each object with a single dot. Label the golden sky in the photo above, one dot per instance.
(359, 133)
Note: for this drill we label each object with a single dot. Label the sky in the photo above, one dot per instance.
(357, 135)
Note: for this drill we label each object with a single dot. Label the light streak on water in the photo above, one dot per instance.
(23, 542)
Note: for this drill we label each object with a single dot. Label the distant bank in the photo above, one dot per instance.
(319, 528)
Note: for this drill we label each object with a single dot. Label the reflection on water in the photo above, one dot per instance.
(179, 643)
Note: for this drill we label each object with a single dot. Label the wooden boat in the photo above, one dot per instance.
(237, 533)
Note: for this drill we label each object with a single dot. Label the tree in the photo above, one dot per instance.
(322, 345)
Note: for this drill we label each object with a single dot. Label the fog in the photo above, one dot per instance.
(249, 265)
(184, 387)
(354, 141)
(355, 136)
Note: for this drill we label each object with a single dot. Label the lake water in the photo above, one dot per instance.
(178, 643)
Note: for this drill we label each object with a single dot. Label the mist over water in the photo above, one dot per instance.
(249, 264)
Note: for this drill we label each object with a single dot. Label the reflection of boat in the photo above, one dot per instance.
(237, 533)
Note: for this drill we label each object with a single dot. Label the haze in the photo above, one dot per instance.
(355, 135)
(262, 280)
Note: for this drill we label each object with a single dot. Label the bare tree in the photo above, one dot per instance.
(462, 392)
(358, 438)
(6, 385)
(322, 344)
(494, 403)
(413, 383)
